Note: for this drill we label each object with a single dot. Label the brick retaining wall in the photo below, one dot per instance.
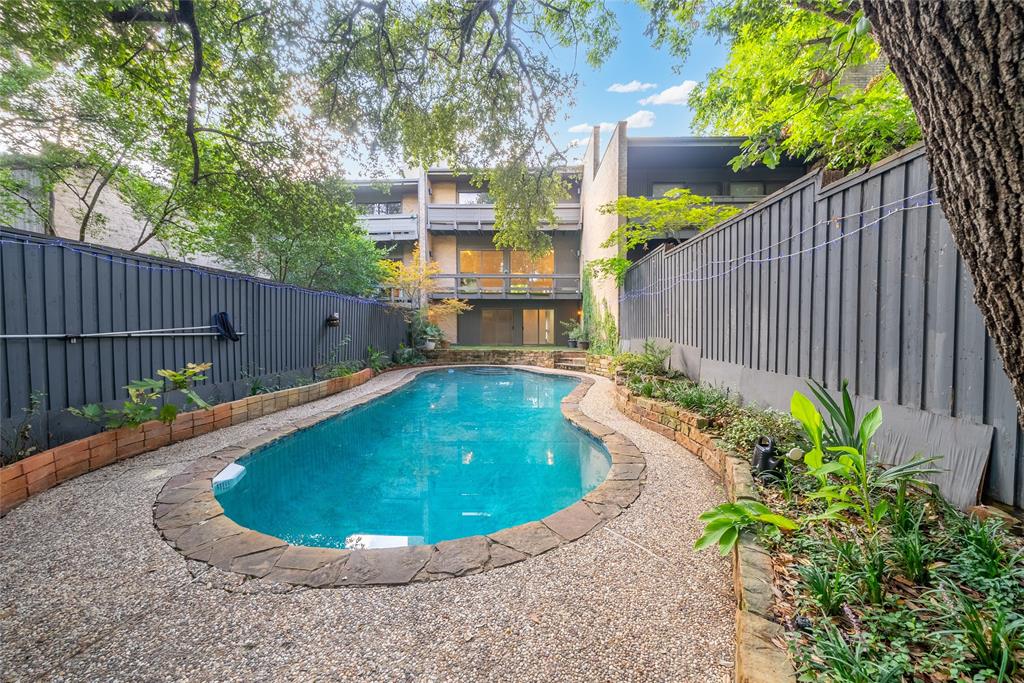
(44, 470)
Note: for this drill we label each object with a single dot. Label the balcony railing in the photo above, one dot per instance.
(506, 286)
(480, 217)
(391, 227)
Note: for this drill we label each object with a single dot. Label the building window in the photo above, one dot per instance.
(484, 262)
(746, 189)
(379, 208)
(476, 197)
(703, 189)
(523, 264)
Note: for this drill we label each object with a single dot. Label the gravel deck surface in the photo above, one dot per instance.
(89, 591)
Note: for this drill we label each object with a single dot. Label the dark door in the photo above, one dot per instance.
(496, 326)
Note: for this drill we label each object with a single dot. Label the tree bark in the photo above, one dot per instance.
(962, 64)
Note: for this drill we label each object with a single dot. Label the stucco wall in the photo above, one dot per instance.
(410, 204)
(443, 193)
(604, 180)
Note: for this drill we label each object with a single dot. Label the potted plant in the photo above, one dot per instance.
(583, 342)
(573, 330)
(423, 334)
(432, 334)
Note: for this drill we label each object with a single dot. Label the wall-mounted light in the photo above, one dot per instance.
(334, 320)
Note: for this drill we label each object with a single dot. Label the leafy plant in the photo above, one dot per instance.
(724, 523)
(376, 359)
(842, 429)
(143, 395)
(408, 356)
(859, 477)
(987, 563)
(573, 328)
(995, 639)
(703, 399)
(830, 589)
(914, 556)
(866, 563)
(650, 362)
(20, 443)
(751, 423)
(873, 570)
(851, 664)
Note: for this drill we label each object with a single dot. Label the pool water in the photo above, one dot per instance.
(453, 453)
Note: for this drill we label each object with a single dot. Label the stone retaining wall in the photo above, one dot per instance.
(45, 470)
(601, 365)
(541, 359)
(758, 658)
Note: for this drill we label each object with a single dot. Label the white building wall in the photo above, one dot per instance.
(604, 181)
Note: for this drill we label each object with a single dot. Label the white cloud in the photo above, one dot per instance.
(641, 119)
(632, 86)
(579, 142)
(638, 119)
(677, 94)
(587, 127)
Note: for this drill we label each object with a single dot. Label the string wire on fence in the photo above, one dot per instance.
(909, 203)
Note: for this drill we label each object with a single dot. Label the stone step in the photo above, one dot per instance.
(571, 365)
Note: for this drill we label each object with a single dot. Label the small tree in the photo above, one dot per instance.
(417, 279)
(647, 219)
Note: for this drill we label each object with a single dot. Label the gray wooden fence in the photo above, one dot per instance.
(56, 287)
(790, 289)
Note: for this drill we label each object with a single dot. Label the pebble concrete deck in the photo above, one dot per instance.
(90, 591)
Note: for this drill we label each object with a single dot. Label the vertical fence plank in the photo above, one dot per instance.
(887, 304)
(52, 289)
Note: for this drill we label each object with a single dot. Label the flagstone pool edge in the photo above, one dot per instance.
(190, 519)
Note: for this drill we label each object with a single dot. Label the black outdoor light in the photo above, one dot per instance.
(334, 320)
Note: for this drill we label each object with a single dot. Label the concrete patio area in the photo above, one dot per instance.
(89, 591)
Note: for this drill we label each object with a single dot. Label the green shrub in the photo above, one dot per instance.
(830, 589)
(407, 356)
(750, 424)
(650, 362)
(703, 399)
(376, 359)
(995, 638)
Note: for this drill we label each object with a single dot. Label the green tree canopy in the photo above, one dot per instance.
(648, 219)
(787, 84)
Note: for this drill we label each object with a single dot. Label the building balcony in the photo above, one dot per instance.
(505, 286)
(456, 218)
(391, 227)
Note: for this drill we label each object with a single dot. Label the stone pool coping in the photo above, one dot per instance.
(190, 519)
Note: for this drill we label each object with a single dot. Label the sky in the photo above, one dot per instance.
(638, 83)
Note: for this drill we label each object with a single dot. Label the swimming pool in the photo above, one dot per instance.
(453, 453)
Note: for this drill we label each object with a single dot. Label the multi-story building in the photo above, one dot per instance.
(517, 299)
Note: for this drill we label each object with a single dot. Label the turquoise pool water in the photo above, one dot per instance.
(453, 453)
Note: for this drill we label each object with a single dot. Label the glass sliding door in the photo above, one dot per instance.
(496, 326)
(539, 326)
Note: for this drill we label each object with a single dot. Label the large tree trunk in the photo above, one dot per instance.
(962, 63)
